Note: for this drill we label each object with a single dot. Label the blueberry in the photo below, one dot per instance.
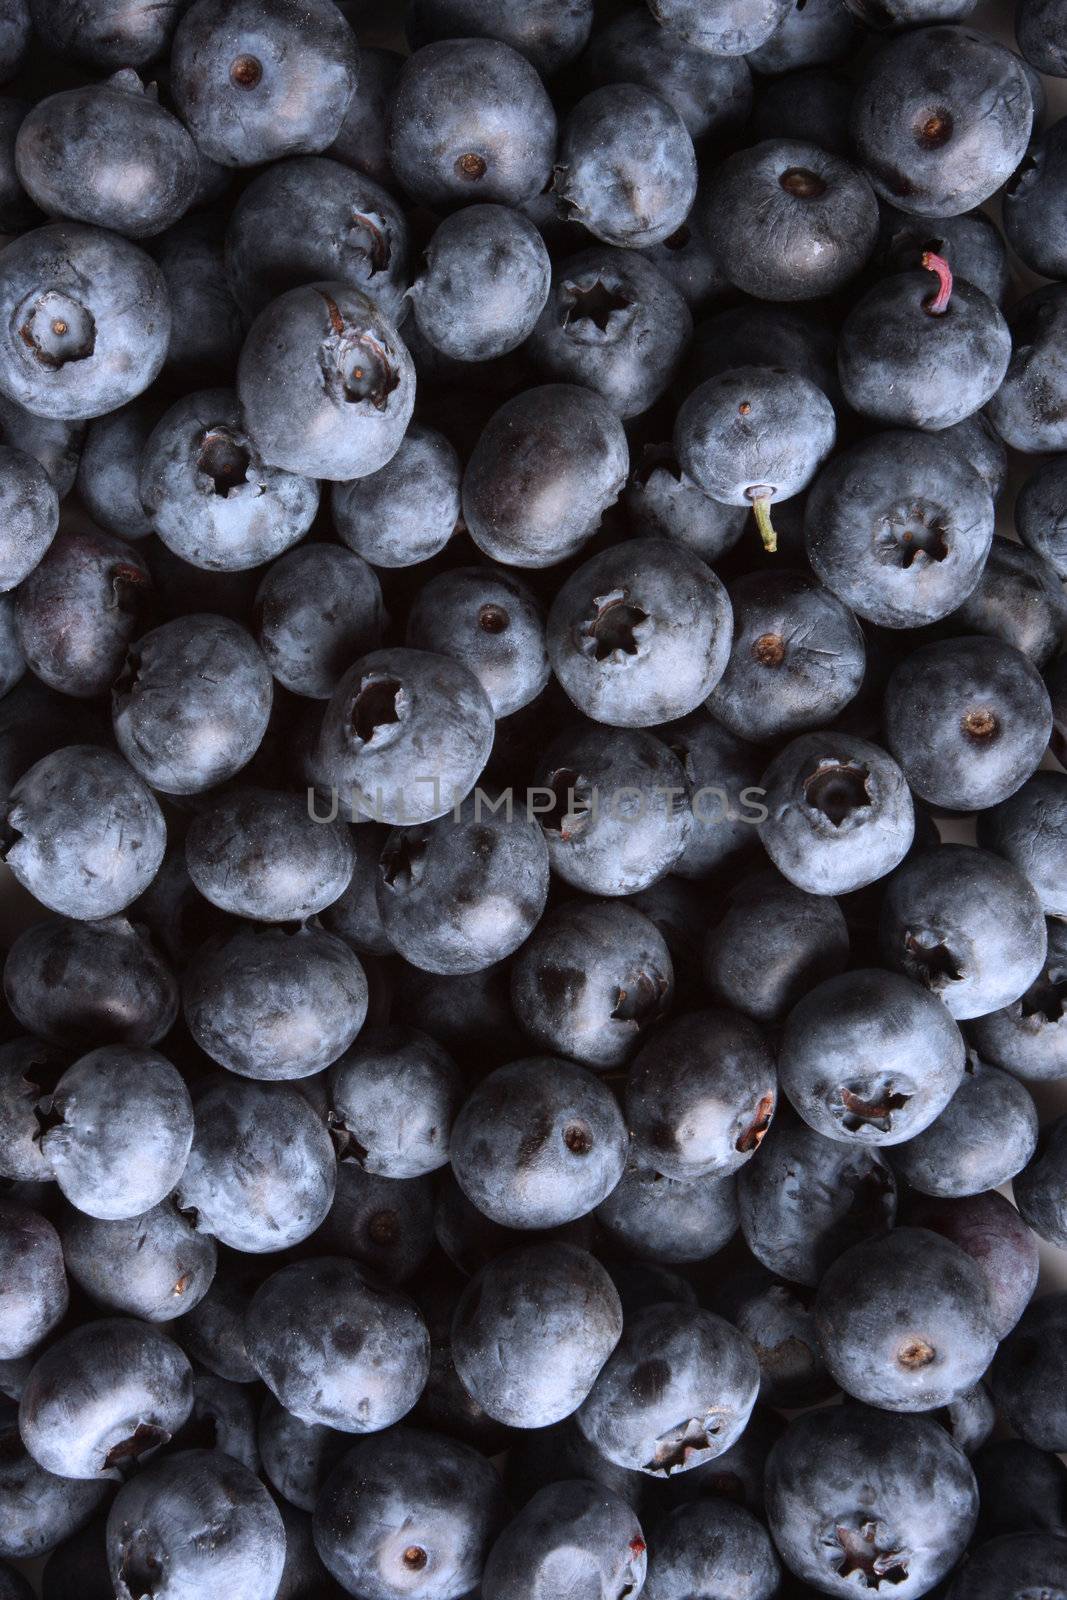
(154, 1266)
(789, 220)
(310, 219)
(261, 1170)
(491, 622)
(640, 634)
(797, 658)
(405, 736)
(87, 321)
(336, 1346)
(593, 975)
(393, 1097)
(54, 442)
(83, 833)
(303, 1577)
(1028, 1037)
(1019, 599)
(409, 1514)
(686, 260)
(810, 107)
(83, 983)
(1027, 410)
(103, 1399)
(626, 169)
(207, 329)
(363, 137)
(753, 436)
(899, 527)
(850, 1507)
(677, 1391)
(839, 813)
(899, 342)
(970, 244)
(154, 1530)
(1038, 32)
(549, 35)
(979, 444)
(986, 718)
(190, 706)
(385, 1224)
(728, 30)
(465, 891)
(242, 77)
(108, 33)
(30, 509)
(109, 470)
(39, 1509)
(15, 35)
(1041, 513)
(814, 34)
(34, 1295)
(316, 609)
(1035, 204)
(989, 1230)
(661, 1219)
(985, 1135)
(614, 323)
(941, 120)
(904, 1321)
(712, 1547)
(871, 1057)
(347, 375)
(29, 1069)
(809, 1198)
(407, 510)
(1039, 1188)
(209, 494)
(213, 1332)
(354, 916)
(569, 1529)
(701, 1094)
(485, 279)
(1022, 1489)
(116, 1131)
(547, 466)
(712, 93)
(532, 1331)
(470, 120)
(297, 1456)
(724, 776)
(1023, 1563)
(614, 805)
(108, 154)
(1026, 829)
(13, 1586)
(771, 944)
(78, 610)
(258, 854)
(274, 1003)
(539, 1142)
(966, 925)
(1027, 1379)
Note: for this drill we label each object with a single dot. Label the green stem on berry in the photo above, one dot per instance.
(761, 507)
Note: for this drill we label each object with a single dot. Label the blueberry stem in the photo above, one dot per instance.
(937, 304)
(761, 506)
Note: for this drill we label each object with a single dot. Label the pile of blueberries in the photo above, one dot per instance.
(509, 1072)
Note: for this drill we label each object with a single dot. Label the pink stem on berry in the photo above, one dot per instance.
(938, 302)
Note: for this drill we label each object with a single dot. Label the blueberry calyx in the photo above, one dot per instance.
(929, 959)
(592, 301)
(676, 1449)
(752, 1136)
(572, 805)
(838, 789)
(56, 329)
(864, 1554)
(612, 632)
(377, 705)
(871, 1108)
(223, 459)
(124, 1457)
